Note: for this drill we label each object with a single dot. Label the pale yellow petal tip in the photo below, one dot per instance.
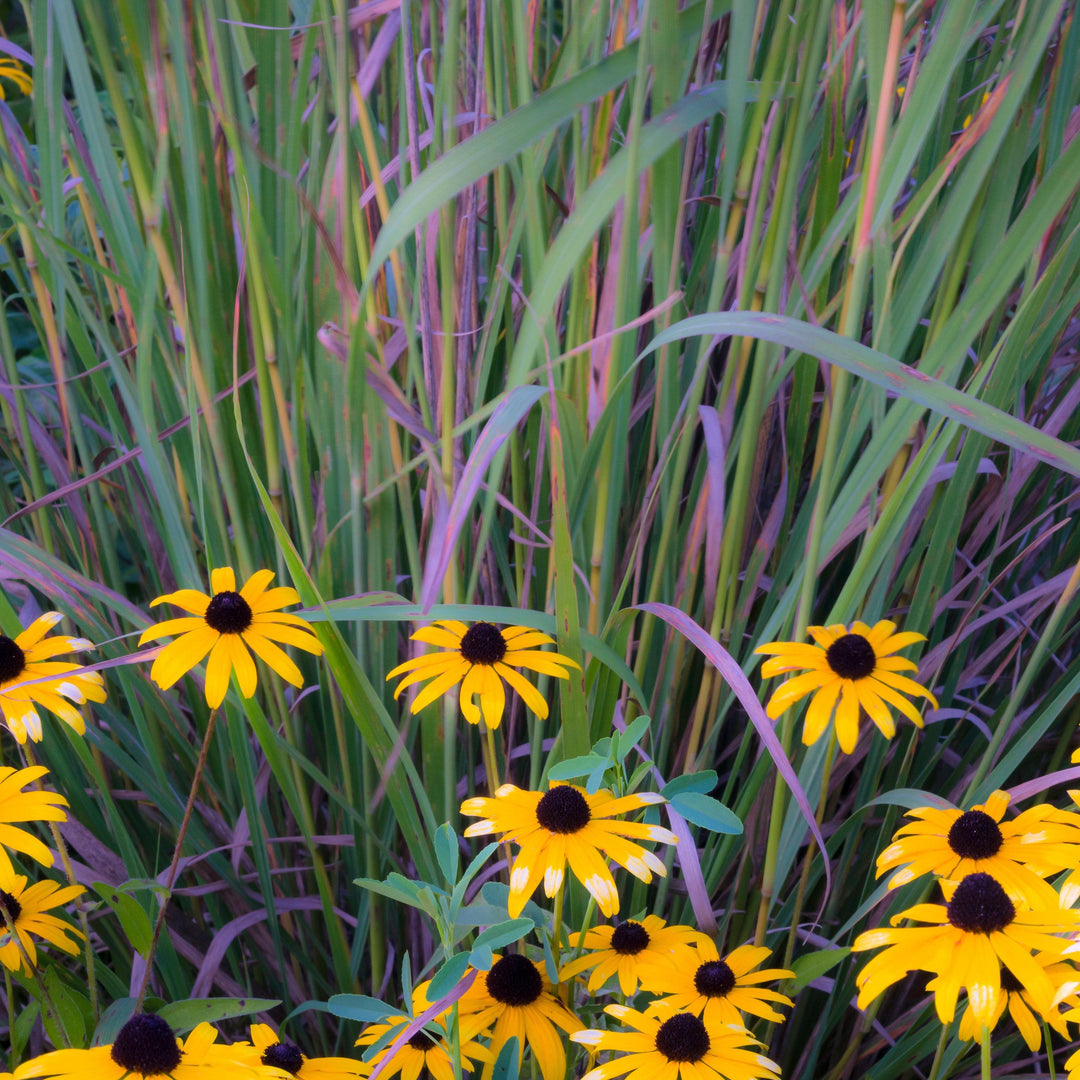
(650, 798)
(618, 1011)
(589, 1037)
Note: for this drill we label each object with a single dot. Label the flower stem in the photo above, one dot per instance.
(43, 994)
(943, 1039)
(984, 1053)
(9, 991)
(174, 865)
(1049, 1050)
(491, 761)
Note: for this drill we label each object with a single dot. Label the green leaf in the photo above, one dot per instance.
(182, 1016)
(807, 968)
(402, 890)
(367, 1010)
(133, 919)
(480, 913)
(448, 976)
(910, 799)
(499, 936)
(596, 778)
(575, 767)
(707, 812)
(701, 782)
(508, 1062)
(481, 958)
(72, 1010)
(447, 853)
(633, 734)
(112, 1020)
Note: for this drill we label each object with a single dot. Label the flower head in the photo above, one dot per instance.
(13, 70)
(848, 668)
(516, 999)
(428, 1048)
(628, 949)
(720, 989)
(24, 660)
(565, 824)
(291, 1060)
(479, 657)
(676, 1046)
(146, 1048)
(226, 625)
(1019, 852)
(25, 908)
(19, 805)
(967, 944)
(1025, 1013)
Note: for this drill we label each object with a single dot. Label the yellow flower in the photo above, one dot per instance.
(146, 1048)
(967, 944)
(24, 660)
(626, 949)
(424, 1050)
(718, 989)
(565, 825)
(19, 805)
(26, 908)
(13, 70)
(291, 1060)
(854, 667)
(676, 1046)
(1022, 1008)
(515, 997)
(226, 625)
(1019, 852)
(24, 1071)
(480, 657)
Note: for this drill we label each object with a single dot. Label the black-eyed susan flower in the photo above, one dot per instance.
(426, 1049)
(25, 806)
(480, 657)
(1023, 1010)
(26, 910)
(849, 668)
(146, 1049)
(719, 988)
(966, 945)
(26, 659)
(676, 1046)
(514, 999)
(623, 950)
(225, 626)
(567, 825)
(290, 1059)
(13, 70)
(1019, 852)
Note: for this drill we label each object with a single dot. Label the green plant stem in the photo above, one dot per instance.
(1049, 1050)
(46, 1001)
(984, 1053)
(943, 1040)
(174, 865)
(13, 1059)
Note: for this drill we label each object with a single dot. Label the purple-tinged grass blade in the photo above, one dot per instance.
(733, 675)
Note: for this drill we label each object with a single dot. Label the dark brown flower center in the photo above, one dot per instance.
(980, 905)
(1009, 982)
(285, 1056)
(563, 809)
(228, 613)
(513, 980)
(975, 835)
(10, 905)
(629, 938)
(851, 657)
(146, 1045)
(714, 979)
(483, 644)
(682, 1038)
(12, 659)
(422, 1041)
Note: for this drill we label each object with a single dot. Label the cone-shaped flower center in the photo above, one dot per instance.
(483, 644)
(714, 979)
(682, 1038)
(563, 810)
(285, 1056)
(980, 905)
(228, 613)
(513, 980)
(12, 659)
(975, 835)
(1009, 982)
(629, 938)
(851, 657)
(146, 1045)
(422, 1041)
(10, 905)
